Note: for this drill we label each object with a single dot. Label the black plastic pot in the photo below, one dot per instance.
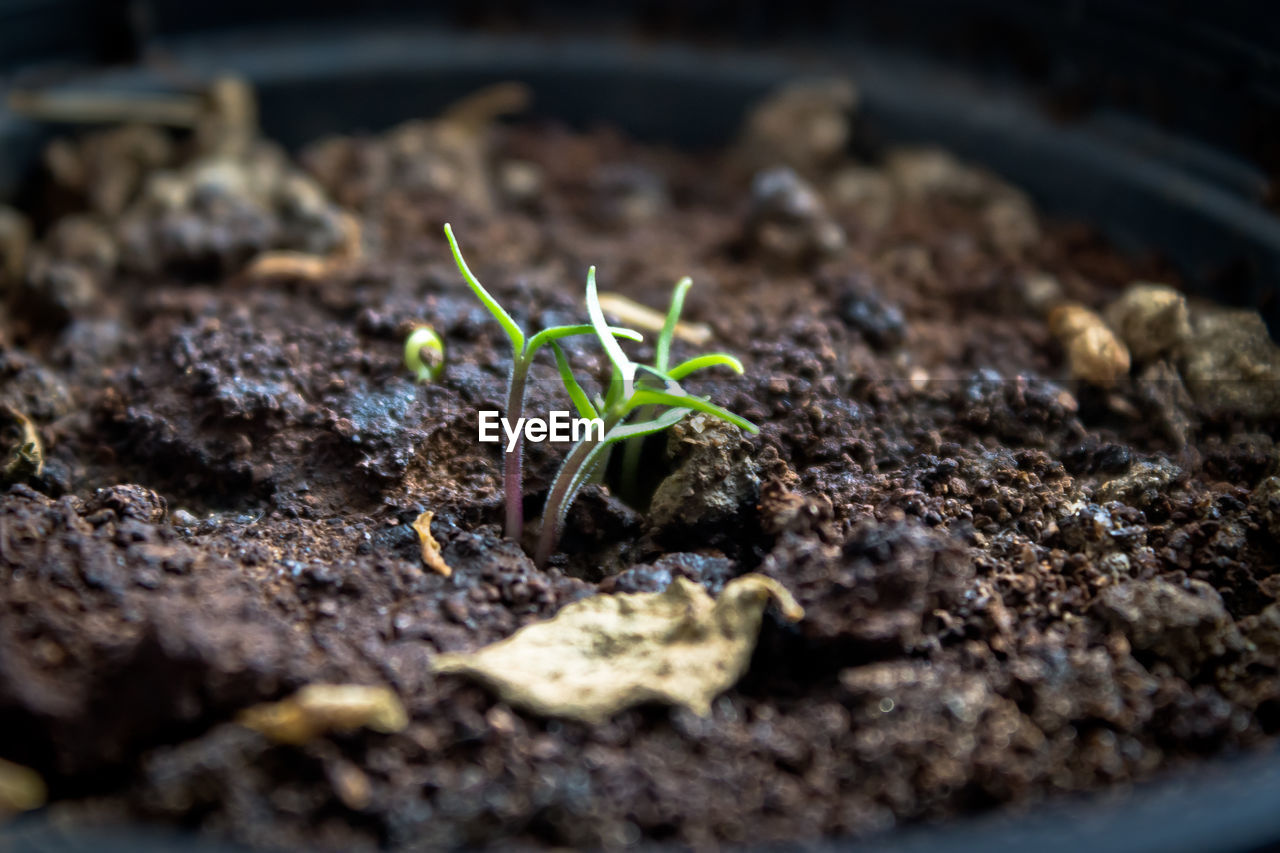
(1149, 188)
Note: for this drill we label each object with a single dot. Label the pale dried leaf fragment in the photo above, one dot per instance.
(430, 547)
(288, 264)
(304, 266)
(15, 241)
(26, 458)
(318, 709)
(21, 788)
(609, 652)
(483, 107)
(628, 312)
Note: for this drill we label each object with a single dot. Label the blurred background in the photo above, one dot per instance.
(1157, 121)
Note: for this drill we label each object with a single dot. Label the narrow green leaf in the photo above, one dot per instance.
(648, 396)
(662, 352)
(665, 378)
(619, 358)
(614, 394)
(555, 333)
(579, 397)
(499, 313)
(668, 418)
(714, 359)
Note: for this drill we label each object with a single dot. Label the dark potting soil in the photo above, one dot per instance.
(1017, 584)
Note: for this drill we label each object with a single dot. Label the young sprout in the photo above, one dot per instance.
(523, 349)
(424, 354)
(650, 392)
(661, 360)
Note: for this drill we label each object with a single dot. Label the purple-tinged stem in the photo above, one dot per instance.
(562, 493)
(513, 460)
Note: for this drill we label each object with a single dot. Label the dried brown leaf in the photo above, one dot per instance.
(321, 708)
(430, 547)
(632, 313)
(1094, 352)
(26, 458)
(285, 263)
(609, 652)
(21, 788)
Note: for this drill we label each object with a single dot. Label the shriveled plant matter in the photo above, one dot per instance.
(610, 652)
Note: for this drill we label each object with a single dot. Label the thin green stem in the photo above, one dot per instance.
(577, 468)
(631, 455)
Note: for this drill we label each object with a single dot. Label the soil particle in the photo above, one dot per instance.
(1263, 631)
(787, 222)
(1040, 293)
(58, 290)
(712, 572)
(1152, 319)
(1266, 502)
(864, 192)
(629, 194)
(877, 590)
(1099, 530)
(1145, 484)
(1094, 353)
(925, 172)
(864, 310)
(1185, 625)
(212, 217)
(106, 169)
(1231, 364)
(1162, 397)
(714, 478)
(1036, 410)
(806, 125)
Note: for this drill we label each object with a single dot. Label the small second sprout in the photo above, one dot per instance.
(424, 354)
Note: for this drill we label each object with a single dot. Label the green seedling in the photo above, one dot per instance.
(523, 350)
(424, 354)
(650, 393)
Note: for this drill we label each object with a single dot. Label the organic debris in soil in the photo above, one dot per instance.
(318, 709)
(21, 789)
(607, 653)
(26, 458)
(430, 547)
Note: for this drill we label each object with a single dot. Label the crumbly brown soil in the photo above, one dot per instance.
(1016, 585)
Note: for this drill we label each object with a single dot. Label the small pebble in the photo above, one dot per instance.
(1151, 318)
(862, 308)
(1094, 353)
(787, 221)
(1231, 365)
